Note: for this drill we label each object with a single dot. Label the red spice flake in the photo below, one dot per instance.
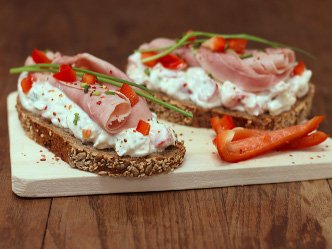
(54, 113)
(41, 151)
(111, 72)
(125, 140)
(185, 84)
(45, 108)
(98, 102)
(59, 120)
(214, 153)
(43, 155)
(158, 131)
(189, 91)
(93, 87)
(42, 159)
(102, 97)
(319, 156)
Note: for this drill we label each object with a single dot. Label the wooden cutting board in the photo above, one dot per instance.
(202, 167)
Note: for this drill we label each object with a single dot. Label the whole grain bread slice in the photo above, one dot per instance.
(85, 157)
(299, 111)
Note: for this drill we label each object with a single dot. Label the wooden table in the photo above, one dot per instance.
(290, 215)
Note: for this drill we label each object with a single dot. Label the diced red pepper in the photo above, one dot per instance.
(172, 61)
(39, 56)
(143, 127)
(238, 45)
(86, 134)
(145, 55)
(89, 79)
(216, 44)
(310, 140)
(243, 149)
(26, 84)
(299, 68)
(66, 74)
(129, 92)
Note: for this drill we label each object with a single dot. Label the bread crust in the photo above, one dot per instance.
(85, 157)
(299, 111)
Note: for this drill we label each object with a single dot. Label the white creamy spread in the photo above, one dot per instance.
(194, 84)
(52, 104)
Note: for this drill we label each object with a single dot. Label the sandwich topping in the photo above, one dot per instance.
(222, 72)
(94, 113)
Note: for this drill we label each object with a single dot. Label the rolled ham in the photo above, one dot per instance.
(255, 74)
(112, 112)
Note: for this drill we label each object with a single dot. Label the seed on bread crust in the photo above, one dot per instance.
(102, 162)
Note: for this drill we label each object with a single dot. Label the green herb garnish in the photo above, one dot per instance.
(95, 93)
(146, 93)
(76, 118)
(245, 56)
(147, 71)
(109, 93)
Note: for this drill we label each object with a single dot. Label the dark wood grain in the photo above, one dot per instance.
(287, 215)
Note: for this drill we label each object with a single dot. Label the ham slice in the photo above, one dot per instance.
(255, 74)
(112, 112)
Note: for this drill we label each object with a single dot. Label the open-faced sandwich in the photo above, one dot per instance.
(215, 74)
(89, 113)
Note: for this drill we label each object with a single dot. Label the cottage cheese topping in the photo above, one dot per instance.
(195, 85)
(52, 104)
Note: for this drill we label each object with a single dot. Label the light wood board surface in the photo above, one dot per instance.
(202, 167)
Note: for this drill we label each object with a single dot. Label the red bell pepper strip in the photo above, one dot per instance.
(172, 61)
(307, 141)
(224, 123)
(143, 127)
(235, 151)
(39, 56)
(129, 92)
(66, 74)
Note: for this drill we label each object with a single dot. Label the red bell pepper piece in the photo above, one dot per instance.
(89, 79)
(224, 123)
(238, 45)
(216, 44)
(239, 150)
(129, 92)
(39, 56)
(299, 68)
(143, 127)
(66, 74)
(145, 55)
(310, 140)
(26, 84)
